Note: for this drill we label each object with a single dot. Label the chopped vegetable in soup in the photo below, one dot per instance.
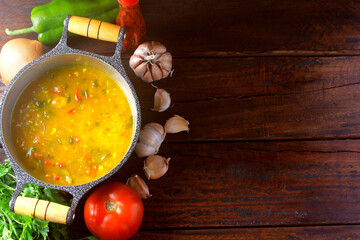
(72, 125)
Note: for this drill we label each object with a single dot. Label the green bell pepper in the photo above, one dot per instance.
(48, 19)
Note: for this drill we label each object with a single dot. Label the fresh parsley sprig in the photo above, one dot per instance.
(15, 226)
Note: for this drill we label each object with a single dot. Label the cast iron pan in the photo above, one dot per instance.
(59, 56)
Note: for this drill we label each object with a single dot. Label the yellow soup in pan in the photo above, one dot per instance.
(72, 125)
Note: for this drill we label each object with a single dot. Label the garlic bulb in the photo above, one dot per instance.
(150, 139)
(156, 166)
(161, 100)
(151, 61)
(139, 185)
(176, 124)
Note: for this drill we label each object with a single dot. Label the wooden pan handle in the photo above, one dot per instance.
(94, 28)
(40, 209)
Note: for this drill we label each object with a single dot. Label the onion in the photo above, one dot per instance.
(15, 54)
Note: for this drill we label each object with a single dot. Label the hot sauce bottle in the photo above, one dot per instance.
(131, 18)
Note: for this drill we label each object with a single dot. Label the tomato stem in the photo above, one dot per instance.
(110, 205)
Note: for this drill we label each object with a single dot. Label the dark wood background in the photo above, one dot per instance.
(271, 90)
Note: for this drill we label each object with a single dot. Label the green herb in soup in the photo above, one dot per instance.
(72, 125)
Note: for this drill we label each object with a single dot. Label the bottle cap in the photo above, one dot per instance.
(128, 2)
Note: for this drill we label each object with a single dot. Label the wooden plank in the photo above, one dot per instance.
(261, 98)
(256, 184)
(217, 185)
(231, 28)
(236, 27)
(213, 185)
(284, 233)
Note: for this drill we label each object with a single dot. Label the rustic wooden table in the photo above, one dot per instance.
(272, 93)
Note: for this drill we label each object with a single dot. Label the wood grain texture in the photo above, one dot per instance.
(231, 28)
(215, 190)
(256, 184)
(255, 26)
(298, 233)
(260, 98)
(252, 184)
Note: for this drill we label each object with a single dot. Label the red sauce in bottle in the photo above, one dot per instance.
(131, 18)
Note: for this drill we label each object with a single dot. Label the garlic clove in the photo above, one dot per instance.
(139, 185)
(143, 49)
(156, 166)
(152, 134)
(157, 127)
(165, 72)
(141, 69)
(176, 124)
(156, 72)
(143, 150)
(161, 100)
(166, 61)
(147, 77)
(135, 61)
(158, 48)
(150, 139)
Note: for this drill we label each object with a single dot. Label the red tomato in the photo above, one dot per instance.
(113, 211)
